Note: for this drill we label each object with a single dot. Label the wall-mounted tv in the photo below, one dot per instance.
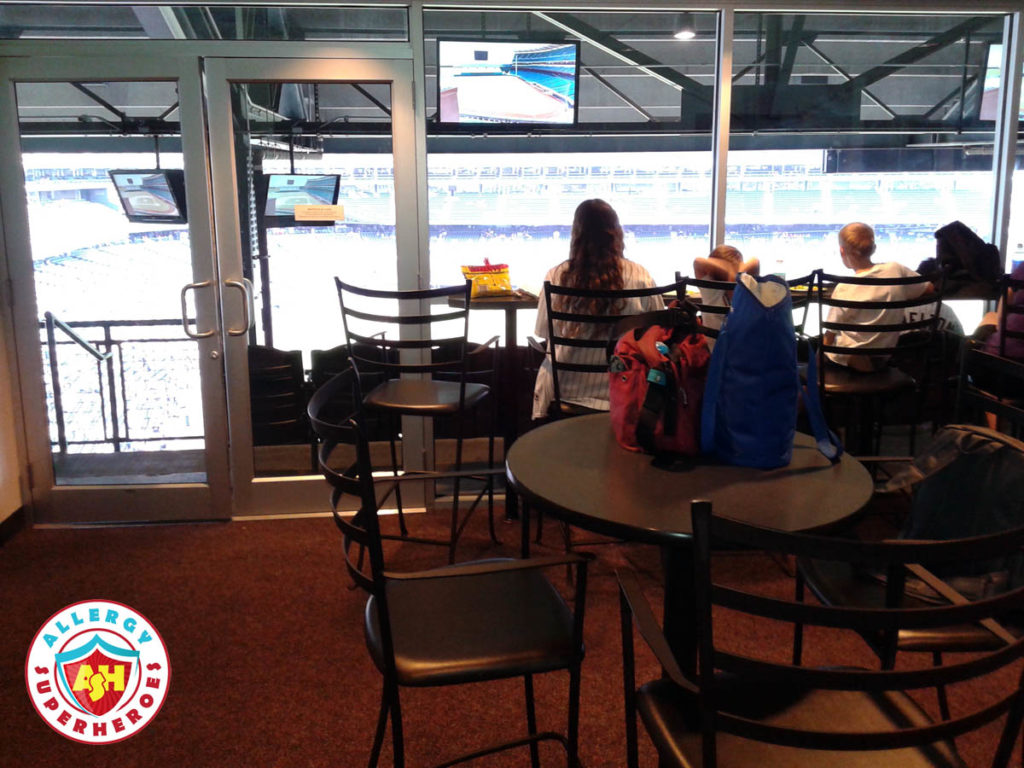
(152, 196)
(277, 194)
(486, 82)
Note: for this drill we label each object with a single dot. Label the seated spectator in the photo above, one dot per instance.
(988, 329)
(595, 262)
(948, 321)
(856, 247)
(723, 263)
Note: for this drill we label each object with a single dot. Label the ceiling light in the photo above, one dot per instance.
(685, 27)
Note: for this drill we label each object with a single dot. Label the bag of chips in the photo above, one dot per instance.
(489, 280)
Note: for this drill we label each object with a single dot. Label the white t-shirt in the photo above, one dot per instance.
(948, 321)
(714, 297)
(587, 389)
(852, 292)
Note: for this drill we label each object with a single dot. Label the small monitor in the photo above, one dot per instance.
(487, 82)
(279, 193)
(152, 196)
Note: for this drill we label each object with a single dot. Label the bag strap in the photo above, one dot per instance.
(828, 442)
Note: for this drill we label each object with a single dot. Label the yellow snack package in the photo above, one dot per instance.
(489, 280)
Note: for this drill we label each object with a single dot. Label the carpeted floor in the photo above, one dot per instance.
(269, 666)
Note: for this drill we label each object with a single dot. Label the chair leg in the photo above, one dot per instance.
(574, 715)
(398, 486)
(798, 628)
(397, 735)
(628, 682)
(454, 536)
(490, 486)
(382, 722)
(940, 690)
(531, 721)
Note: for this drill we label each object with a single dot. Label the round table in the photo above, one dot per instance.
(574, 470)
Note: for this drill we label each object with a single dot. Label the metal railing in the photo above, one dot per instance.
(113, 377)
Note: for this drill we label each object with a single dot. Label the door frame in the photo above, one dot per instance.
(288, 495)
(111, 503)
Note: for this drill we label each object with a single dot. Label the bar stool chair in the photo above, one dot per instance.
(865, 391)
(423, 362)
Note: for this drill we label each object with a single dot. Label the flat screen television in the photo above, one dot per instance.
(277, 194)
(152, 196)
(511, 83)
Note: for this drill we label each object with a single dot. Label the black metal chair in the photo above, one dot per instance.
(472, 622)
(420, 363)
(869, 380)
(577, 341)
(990, 383)
(277, 399)
(753, 709)
(1008, 287)
(994, 496)
(577, 347)
(801, 290)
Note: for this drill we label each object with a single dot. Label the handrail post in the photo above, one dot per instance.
(112, 387)
(58, 405)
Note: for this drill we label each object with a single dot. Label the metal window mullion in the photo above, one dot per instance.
(720, 124)
(1004, 153)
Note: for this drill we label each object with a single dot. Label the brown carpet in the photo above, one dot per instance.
(269, 666)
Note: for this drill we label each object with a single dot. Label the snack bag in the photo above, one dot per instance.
(489, 280)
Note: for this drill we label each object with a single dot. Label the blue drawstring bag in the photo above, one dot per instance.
(753, 387)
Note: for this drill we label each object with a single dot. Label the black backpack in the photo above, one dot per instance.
(966, 257)
(969, 482)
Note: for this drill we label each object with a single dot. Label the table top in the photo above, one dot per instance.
(519, 299)
(575, 470)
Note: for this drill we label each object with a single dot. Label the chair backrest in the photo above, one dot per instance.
(578, 340)
(873, 310)
(387, 331)
(712, 299)
(277, 396)
(801, 290)
(1010, 326)
(344, 460)
(990, 383)
(897, 559)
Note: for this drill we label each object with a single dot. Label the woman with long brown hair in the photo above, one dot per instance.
(596, 262)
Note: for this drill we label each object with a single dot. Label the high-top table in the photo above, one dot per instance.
(574, 470)
(509, 380)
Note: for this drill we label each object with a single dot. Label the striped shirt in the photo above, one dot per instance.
(587, 389)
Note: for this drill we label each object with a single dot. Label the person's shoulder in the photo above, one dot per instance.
(891, 269)
(556, 271)
(631, 270)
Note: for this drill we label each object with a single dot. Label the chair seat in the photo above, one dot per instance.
(449, 631)
(840, 584)
(670, 715)
(423, 397)
(840, 380)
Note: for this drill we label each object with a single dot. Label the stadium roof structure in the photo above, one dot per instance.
(793, 73)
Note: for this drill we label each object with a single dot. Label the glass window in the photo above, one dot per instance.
(214, 22)
(838, 118)
(504, 181)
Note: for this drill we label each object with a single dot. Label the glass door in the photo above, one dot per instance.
(109, 246)
(314, 177)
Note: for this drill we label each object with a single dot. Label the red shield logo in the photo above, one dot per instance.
(96, 675)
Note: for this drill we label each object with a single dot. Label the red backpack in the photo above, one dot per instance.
(656, 382)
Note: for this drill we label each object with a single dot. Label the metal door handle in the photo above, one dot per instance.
(184, 311)
(248, 305)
